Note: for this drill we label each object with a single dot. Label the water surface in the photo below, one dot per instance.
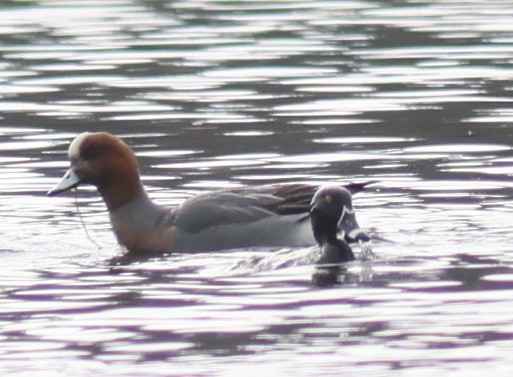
(414, 95)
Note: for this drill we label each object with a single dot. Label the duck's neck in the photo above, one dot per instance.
(327, 238)
(120, 192)
(334, 250)
(142, 226)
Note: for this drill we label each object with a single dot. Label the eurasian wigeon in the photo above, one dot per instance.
(261, 216)
(331, 208)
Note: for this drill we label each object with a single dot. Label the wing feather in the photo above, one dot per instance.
(246, 205)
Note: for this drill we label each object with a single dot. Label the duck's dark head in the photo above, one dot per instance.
(331, 211)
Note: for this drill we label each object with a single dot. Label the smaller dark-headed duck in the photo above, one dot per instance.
(331, 209)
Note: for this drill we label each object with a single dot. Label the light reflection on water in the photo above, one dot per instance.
(413, 97)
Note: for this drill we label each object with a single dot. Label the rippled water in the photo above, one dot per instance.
(413, 95)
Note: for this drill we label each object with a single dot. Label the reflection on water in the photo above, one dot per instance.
(412, 95)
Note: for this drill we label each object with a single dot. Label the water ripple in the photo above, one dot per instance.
(413, 97)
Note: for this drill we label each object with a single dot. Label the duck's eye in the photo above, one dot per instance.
(328, 199)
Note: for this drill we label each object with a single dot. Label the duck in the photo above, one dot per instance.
(232, 218)
(331, 209)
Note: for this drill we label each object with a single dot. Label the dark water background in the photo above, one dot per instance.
(415, 95)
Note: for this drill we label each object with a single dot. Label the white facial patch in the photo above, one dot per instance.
(74, 147)
(345, 211)
(353, 232)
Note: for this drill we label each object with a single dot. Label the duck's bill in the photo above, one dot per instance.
(69, 181)
(350, 228)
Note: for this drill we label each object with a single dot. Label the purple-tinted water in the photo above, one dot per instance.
(415, 95)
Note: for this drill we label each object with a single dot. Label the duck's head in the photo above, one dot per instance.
(331, 211)
(105, 161)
